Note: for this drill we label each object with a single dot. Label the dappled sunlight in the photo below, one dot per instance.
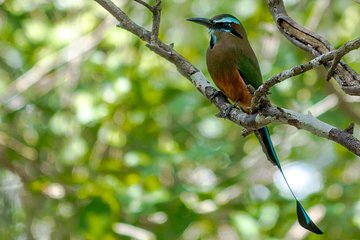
(211, 128)
(101, 138)
(303, 178)
(54, 190)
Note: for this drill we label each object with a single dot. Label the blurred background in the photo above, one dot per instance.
(102, 139)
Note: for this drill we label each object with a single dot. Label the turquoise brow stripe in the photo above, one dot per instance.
(228, 19)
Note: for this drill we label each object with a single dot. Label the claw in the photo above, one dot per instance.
(214, 95)
(225, 113)
(237, 105)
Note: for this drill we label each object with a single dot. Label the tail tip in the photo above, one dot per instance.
(305, 220)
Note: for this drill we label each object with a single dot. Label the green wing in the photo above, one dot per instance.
(250, 71)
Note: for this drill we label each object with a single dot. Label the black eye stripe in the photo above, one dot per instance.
(226, 25)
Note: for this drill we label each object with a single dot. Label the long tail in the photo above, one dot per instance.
(304, 219)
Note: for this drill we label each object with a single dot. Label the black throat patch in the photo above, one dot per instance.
(212, 40)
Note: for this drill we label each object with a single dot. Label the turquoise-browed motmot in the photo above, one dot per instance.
(233, 65)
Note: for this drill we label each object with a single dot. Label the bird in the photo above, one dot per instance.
(233, 66)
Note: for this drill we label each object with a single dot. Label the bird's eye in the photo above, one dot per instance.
(224, 26)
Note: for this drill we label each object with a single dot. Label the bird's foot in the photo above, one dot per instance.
(263, 103)
(214, 95)
(237, 105)
(225, 112)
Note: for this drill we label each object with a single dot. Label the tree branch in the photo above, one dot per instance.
(322, 59)
(156, 21)
(315, 44)
(156, 11)
(145, 4)
(349, 46)
(253, 121)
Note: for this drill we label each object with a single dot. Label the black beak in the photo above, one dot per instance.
(202, 21)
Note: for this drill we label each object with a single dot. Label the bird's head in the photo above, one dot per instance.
(221, 23)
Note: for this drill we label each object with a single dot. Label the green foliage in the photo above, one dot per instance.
(117, 138)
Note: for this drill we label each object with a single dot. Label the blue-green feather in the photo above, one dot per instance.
(212, 39)
(303, 218)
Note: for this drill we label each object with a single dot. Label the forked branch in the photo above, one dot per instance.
(299, 69)
(266, 114)
(315, 44)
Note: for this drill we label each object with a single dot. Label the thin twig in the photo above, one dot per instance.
(144, 4)
(124, 21)
(294, 71)
(156, 21)
(315, 44)
(350, 128)
(156, 11)
(349, 46)
(331, 70)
